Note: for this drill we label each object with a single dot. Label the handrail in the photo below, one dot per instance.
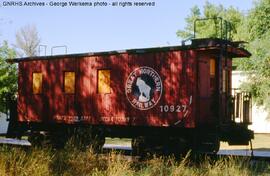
(39, 49)
(61, 46)
(227, 25)
(241, 106)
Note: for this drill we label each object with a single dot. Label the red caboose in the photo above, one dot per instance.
(177, 97)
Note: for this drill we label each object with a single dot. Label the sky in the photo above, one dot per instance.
(93, 29)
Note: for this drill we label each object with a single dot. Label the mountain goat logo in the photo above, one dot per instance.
(143, 88)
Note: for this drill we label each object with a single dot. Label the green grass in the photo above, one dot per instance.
(70, 161)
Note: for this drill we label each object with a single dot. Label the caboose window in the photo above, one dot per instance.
(104, 81)
(69, 82)
(37, 83)
(212, 73)
(212, 67)
(224, 80)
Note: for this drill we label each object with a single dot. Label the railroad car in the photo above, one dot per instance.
(167, 98)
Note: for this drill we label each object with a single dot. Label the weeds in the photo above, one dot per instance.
(71, 161)
(15, 161)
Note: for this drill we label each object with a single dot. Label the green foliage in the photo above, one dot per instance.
(258, 67)
(8, 75)
(188, 31)
(212, 28)
(259, 19)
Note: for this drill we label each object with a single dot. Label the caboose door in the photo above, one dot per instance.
(207, 91)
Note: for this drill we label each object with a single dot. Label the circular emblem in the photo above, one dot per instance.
(143, 88)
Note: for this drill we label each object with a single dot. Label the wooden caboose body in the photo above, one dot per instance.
(155, 94)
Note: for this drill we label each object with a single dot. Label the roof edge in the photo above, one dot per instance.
(195, 43)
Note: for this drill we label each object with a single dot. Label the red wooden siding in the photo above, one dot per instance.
(176, 70)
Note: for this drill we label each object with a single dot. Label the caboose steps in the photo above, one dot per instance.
(236, 134)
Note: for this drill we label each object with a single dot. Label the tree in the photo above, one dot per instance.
(188, 31)
(258, 67)
(259, 19)
(258, 22)
(8, 75)
(27, 40)
(211, 28)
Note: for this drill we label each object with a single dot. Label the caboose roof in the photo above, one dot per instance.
(232, 48)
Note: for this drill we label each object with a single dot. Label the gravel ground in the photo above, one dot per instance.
(260, 142)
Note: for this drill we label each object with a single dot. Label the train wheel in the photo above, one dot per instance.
(177, 146)
(138, 146)
(159, 146)
(57, 138)
(36, 139)
(207, 143)
(97, 143)
(83, 138)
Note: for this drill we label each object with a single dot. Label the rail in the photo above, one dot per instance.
(62, 46)
(45, 49)
(241, 111)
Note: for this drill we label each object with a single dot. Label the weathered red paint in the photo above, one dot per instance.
(185, 79)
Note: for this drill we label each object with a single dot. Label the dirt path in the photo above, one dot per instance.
(260, 142)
